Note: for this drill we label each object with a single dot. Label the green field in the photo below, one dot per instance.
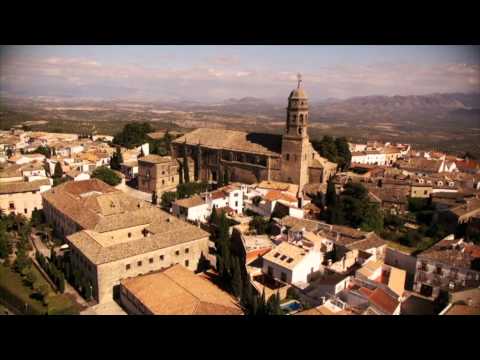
(12, 283)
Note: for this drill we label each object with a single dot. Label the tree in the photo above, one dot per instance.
(259, 224)
(44, 150)
(237, 278)
(30, 278)
(116, 159)
(88, 290)
(61, 282)
(213, 219)
(167, 199)
(22, 262)
(226, 177)
(58, 172)
(106, 175)
(133, 135)
(38, 217)
(331, 195)
(5, 242)
(273, 305)
(203, 264)
(223, 249)
(344, 156)
(43, 291)
(186, 175)
(154, 197)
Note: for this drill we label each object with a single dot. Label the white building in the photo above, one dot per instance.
(291, 264)
(370, 157)
(199, 207)
(193, 209)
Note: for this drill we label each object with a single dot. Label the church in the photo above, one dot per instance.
(250, 157)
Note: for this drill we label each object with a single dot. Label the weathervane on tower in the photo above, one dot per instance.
(299, 78)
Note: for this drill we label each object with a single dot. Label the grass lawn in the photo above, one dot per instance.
(57, 303)
(62, 304)
(403, 248)
(13, 283)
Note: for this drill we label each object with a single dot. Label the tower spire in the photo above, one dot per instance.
(299, 79)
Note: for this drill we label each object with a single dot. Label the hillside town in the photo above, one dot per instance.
(223, 222)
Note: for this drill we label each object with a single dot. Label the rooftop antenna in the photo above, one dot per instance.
(299, 79)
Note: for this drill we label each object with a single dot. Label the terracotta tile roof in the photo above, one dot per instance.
(254, 143)
(190, 202)
(383, 301)
(22, 186)
(444, 252)
(178, 291)
(156, 159)
(274, 195)
(459, 309)
(286, 255)
(165, 231)
(11, 171)
(157, 135)
(91, 204)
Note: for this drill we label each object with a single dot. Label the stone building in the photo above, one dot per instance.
(113, 236)
(161, 173)
(449, 265)
(22, 197)
(253, 157)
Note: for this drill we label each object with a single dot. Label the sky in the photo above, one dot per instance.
(216, 73)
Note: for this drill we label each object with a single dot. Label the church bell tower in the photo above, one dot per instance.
(295, 141)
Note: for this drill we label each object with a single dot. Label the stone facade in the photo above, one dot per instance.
(159, 173)
(104, 277)
(254, 157)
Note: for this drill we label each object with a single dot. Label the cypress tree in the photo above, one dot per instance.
(226, 177)
(254, 306)
(213, 216)
(237, 278)
(331, 196)
(58, 173)
(61, 283)
(186, 175)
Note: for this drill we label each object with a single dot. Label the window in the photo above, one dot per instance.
(173, 179)
(129, 235)
(425, 192)
(439, 270)
(186, 263)
(236, 203)
(11, 206)
(161, 257)
(163, 182)
(283, 277)
(163, 172)
(270, 271)
(186, 251)
(139, 263)
(127, 267)
(150, 260)
(177, 252)
(25, 211)
(287, 157)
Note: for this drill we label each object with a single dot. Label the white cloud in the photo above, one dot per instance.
(344, 80)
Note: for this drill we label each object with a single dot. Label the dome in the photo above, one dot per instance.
(298, 93)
